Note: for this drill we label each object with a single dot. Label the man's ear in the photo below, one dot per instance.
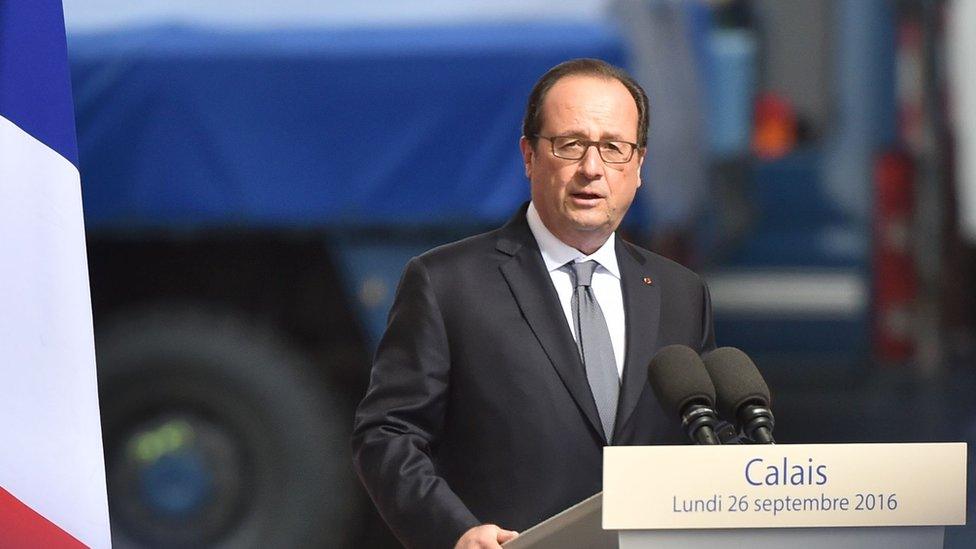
(641, 153)
(528, 155)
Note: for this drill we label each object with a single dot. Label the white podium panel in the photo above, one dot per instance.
(784, 486)
(823, 496)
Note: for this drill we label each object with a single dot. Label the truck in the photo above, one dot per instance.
(250, 199)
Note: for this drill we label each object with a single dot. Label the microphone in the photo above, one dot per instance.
(742, 392)
(682, 386)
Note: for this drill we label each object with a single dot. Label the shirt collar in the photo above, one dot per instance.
(557, 253)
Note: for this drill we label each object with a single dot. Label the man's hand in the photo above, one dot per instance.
(486, 536)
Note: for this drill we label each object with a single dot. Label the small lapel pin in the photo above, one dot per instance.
(648, 281)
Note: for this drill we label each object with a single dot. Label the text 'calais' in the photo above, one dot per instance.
(758, 473)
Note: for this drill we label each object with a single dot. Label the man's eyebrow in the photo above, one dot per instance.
(613, 136)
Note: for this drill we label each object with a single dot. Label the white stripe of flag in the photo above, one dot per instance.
(50, 437)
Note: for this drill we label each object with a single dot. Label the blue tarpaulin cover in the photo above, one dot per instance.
(185, 126)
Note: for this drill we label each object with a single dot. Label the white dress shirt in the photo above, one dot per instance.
(605, 283)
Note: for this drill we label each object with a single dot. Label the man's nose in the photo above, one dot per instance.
(591, 165)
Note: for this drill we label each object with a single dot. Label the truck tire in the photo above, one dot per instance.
(217, 434)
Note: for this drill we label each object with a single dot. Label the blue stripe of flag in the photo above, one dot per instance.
(35, 85)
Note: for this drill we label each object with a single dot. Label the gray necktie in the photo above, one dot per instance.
(593, 339)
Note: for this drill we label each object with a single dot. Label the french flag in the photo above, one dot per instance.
(52, 475)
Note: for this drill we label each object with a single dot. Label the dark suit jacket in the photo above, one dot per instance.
(478, 409)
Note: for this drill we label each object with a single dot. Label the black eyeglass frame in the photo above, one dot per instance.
(587, 144)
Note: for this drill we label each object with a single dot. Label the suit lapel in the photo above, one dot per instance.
(532, 287)
(642, 306)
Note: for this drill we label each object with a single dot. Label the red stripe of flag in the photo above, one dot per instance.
(24, 528)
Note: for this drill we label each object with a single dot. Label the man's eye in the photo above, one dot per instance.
(570, 145)
(610, 146)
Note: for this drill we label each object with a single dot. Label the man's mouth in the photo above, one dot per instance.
(586, 196)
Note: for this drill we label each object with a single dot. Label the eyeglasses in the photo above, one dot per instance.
(573, 148)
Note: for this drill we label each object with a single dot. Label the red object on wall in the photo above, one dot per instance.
(24, 528)
(895, 280)
(775, 126)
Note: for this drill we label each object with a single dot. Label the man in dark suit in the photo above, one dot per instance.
(489, 402)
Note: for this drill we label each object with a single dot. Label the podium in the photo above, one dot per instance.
(834, 496)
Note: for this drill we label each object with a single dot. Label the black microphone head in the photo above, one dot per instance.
(679, 378)
(737, 380)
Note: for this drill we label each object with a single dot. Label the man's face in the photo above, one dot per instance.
(583, 201)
